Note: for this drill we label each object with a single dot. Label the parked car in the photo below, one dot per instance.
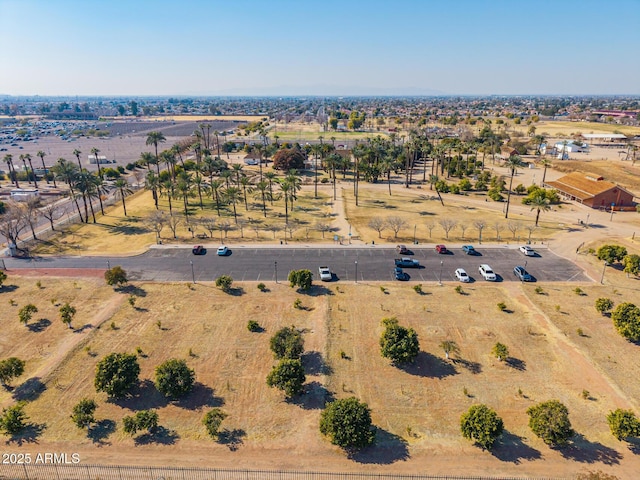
(441, 249)
(462, 275)
(527, 250)
(402, 249)
(222, 251)
(405, 262)
(401, 275)
(199, 250)
(487, 273)
(469, 250)
(522, 274)
(325, 273)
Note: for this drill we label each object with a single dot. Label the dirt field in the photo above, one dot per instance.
(416, 409)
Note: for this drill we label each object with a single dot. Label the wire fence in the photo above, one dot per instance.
(119, 472)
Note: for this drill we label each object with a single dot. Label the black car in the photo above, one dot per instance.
(401, 275)
(199, 250)
(522, 274)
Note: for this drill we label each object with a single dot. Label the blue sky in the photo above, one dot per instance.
(334, 47)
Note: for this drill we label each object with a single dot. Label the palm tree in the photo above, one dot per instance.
(84, 183)
(270, 176)
(35, 178)
(246, 184)
(540, 203)
(67, 171)
(24, 163)
(77, 153)
(316, 149)
(285, 186)
(513, 162)
(168, 187)
(154, 138)
(226, 176)
(237, 170)
(233, 196)
(122, 191)
(94, 152)
(545, 162)
(183, 187)
(147, 159)
(151, 183)
(215, 186)
(296, 185)
(169, 159)
(41, 154)
(198, 181)
(262, 187)
(8, 158)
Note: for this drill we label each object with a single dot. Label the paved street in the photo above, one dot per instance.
(263, 264)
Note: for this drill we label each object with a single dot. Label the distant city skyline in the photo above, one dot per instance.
(332, 48)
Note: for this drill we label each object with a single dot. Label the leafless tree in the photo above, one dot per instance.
(156, 221)
(514, 227)
(31, 212)
(174, 221)
(290, 228)
(531, 229)
(12, 222)
(463, 227)
(323, 228)
(225, 227)
(479, 224)
(52, 211)
(242, 223)
(430, 226)
(209, 224)
(378, 224)
(255, 225)
(447, 225)
(498, 227)
(396, 224)
(274, 228)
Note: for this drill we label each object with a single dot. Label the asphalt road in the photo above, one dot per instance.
(374, 263)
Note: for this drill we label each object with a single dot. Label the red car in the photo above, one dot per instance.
(199, 250)
(441, 249)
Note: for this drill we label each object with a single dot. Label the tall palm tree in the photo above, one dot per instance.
(84, 183)
(247, 184)
(226, 176)
(77, 153)
(8, 158)
(233, 196)
(285, 187)
(67, 171)
(199, 182)
(270, 176)
(183, 188)
(237, 170)
(94, 152)
(147, 159)
(168, 187)
(215, 186)
(296, 185)
(154, 138)
(316, 149)
(262, 187)
(123, 190)
(24, 163)
(169, 159)
(546, 163)
(41, 154)
(27, 156)
(540, 203)
(151, 182)
(512, 163)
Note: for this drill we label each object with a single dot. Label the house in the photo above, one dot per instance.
(24, 194)
(507, 152)
(593, 191)
(253, 158)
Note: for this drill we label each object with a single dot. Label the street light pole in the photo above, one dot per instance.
(440, 276)
(193, 274)
(275, 265)
(587, 223)
(414, 234)
(603, 269)
(356, 271)
(108, 265)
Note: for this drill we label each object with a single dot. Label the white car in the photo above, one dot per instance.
(325, 274)
(461, 275)
(528, 251)
(487, 273)
(222, 251)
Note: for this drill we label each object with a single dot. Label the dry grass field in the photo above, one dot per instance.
(415, 408)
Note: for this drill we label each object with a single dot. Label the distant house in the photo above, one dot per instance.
(506, 152)
(252, 159)
(593, 191)
(570, 147)
(24, 194)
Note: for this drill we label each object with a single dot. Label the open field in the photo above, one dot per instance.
(566, 128)
(416, 408)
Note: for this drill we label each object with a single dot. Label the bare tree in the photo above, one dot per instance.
(531, 229)
(209, 224)
(479, 224)
(242, 223)
(156, 221)
(323, 228)
(514, 227)
(378, 224)
(273, 228)
(225, 226)
(430, 226)
(52, 211)
(447, 225)
(463, 227)
(396, 224)
(31, 213)
(255, 225)
(290, 228)
(12, 222)
(498, 227)
(173, 222)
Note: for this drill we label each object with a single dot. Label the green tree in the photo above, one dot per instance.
(550, 421)
(397, 343)
(626, 319)
(500, 351)
(10, 368)
(82, 414)
(116, 374)
(347, 422)
(115, 276)
(26, 313)
(288, 376)
(611, 253)
(13, 419)
(301, 279)
(604, 305)
(623, 424)
(481, 424)
(154, 138)
(287, 343)
(512, 163)
(449, 347)
(539, 203)
(212, 421)
(631, 264)
(122, 191)
(224, 283)
(174, 378)
(288, 159)
(142, 420)
(67, 313)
